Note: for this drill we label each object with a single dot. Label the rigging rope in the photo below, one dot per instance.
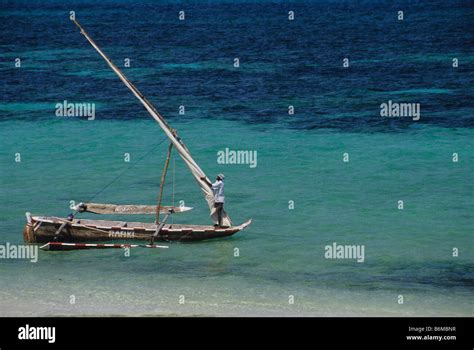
(130, 167)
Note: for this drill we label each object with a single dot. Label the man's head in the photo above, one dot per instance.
(220, 177)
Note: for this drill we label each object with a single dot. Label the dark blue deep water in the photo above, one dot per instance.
(283, 62)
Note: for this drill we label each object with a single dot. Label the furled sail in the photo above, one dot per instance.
(183, 151)
(99, 208)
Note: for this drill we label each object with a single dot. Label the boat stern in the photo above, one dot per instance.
(28, 231)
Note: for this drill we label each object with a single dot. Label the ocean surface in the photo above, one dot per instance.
(281, 256)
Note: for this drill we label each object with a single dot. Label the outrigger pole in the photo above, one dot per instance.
(78, 246)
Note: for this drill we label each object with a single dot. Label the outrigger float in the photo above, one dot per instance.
(70, 233)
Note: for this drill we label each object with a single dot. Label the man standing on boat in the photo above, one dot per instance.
(219, 198)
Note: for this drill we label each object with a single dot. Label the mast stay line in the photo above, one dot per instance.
(172, 134)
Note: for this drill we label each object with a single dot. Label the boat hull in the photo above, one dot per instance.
(43, 229)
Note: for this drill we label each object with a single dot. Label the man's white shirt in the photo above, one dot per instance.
(218, 189)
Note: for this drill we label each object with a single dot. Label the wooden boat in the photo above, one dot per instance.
(44, 229)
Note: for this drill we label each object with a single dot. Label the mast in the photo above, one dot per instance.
(162, 183)
(172, 134)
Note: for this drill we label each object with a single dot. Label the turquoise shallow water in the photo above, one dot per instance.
(282, 253)
(337, 110)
